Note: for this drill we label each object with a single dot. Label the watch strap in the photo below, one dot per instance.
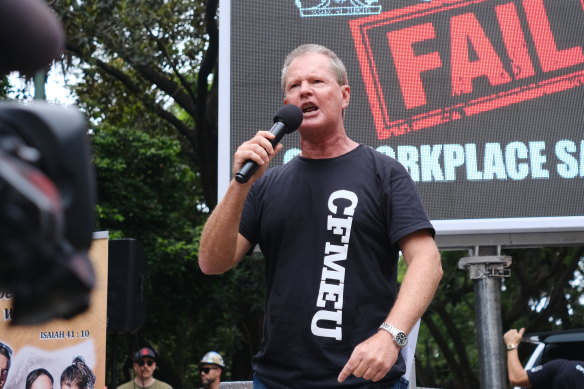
(399, 337)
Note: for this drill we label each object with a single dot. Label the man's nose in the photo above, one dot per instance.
(305, 88)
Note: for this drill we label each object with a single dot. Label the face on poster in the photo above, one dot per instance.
(480, 100)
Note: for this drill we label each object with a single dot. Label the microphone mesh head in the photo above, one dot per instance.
(291, 116)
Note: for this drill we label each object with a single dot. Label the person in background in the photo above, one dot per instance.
(554, 374)
(39, 379)
(211, 368)
(77, 375)
(5, 359)
(330, 224)
(144, 364)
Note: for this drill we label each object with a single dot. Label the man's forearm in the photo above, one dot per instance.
(420, 282)
(219, 249)
(417, 291)
(517, 375)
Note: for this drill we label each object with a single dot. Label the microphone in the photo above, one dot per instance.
(286, 120)
(31, 36)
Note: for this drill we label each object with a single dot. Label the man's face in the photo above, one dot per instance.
(42, 382)
(312, 85)
(144, 368)
(209, 374)
(4, 363)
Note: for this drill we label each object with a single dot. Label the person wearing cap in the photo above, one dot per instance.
(211, 368)
(144, 367)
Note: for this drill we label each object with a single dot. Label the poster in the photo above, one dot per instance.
(60, 346)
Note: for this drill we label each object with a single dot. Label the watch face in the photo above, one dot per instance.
(401, 339)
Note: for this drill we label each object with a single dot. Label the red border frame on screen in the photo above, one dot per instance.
(385, 127)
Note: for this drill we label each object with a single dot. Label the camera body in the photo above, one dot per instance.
(47, 216)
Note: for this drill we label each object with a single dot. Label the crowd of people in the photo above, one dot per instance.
(211, 368)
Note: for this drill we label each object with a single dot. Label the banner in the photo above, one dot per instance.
(59, 348)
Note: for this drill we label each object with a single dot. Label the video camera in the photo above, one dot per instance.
(47, 199)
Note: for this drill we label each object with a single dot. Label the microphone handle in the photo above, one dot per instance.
(250, 167)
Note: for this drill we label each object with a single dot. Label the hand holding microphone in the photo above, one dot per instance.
(286, 120)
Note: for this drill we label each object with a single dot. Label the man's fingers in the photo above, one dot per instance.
(347, 370)
(369, 373)
(363, 370)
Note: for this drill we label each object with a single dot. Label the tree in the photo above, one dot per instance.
(157, 56)
(540, 295)
(4, 86)
(147, 191)
(148, 84)
(148, 71)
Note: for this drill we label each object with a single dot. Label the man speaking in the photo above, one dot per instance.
(330, 224)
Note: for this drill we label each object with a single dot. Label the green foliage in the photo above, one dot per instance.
(147, 191)
(147, 82)
(161, 188)
(543, 292)
(4, 86)
(149, 65)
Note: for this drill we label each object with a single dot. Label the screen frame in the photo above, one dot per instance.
(443, 227)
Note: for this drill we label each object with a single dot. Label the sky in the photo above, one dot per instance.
(55, 88)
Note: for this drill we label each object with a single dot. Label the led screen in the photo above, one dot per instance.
(481, 100)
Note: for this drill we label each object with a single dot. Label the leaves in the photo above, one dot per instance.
(140, 60)
(539, 295)
(4, 86)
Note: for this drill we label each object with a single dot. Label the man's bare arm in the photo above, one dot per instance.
(420, 281)
(517, 375)
(222, 246)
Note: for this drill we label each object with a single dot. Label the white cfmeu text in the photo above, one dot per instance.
(327, 321)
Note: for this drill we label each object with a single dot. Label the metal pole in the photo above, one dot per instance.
(486, 273)
(40, 79)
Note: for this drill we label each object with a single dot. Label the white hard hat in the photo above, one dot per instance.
(213, 358)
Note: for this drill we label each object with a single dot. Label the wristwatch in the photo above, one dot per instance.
(511, 347)
(399, 337)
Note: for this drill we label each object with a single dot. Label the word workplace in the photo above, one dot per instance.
(491, 161)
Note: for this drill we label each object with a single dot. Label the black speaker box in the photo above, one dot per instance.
(126, 307)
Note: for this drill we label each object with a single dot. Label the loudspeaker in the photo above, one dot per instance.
(126, 307)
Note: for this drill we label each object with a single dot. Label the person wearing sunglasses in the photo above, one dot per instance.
(144, 367)
(211, 367)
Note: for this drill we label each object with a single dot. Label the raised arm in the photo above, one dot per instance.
(222, 246)
(517, 375)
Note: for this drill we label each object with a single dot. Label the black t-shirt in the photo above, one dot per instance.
(328, 229)
(557, 374)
